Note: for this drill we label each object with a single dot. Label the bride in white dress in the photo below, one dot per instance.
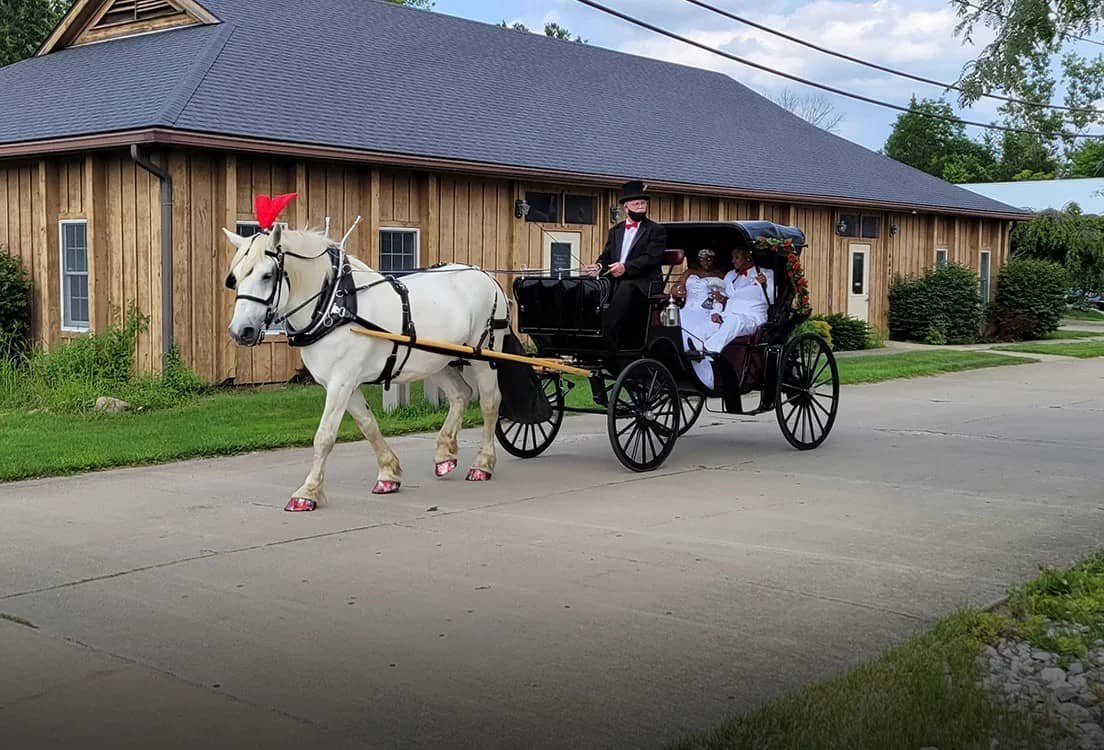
(700, 286)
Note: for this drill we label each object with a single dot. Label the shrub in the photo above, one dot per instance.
(77, 372)
(848, 334)
(813, 325)
(940, 307)
(1029, 302)
(15, 306)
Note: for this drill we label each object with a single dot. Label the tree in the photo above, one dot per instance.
(1029, 37)
(921, 138)
(1068, 237)
(1087, 160)
(551, 29)
(25, 24)
(812, 108)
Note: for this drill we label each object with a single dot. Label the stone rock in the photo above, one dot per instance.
(1040, 655)
(1079, 681)
(1076, 668)
(1063, 691)
(990, 652)
(1086, 699)
(1051, 675)
(111, 405)
(1075, 712)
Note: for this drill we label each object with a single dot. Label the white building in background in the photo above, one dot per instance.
(1039, 195)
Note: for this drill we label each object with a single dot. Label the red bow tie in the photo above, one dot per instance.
(742, 273)
(632, 224)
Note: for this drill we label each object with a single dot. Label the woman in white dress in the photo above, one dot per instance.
(701, 286)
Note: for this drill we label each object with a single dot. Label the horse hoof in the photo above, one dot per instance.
(300, 505)
(385, 487)
(444, 468)
(479, 475)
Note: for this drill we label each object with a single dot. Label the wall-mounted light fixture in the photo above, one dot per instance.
(892, 230)
(841, 227)
(521, 208)
(615, 214)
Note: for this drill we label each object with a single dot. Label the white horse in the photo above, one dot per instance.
(282, 273)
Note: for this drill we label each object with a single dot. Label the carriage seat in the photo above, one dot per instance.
(659, 296)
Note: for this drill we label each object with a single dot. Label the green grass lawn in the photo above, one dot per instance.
(236, 421)
(224, 423)
(924, 693)
(875, 368)
(1081, 349)
(1083, 315)
(1068, 334)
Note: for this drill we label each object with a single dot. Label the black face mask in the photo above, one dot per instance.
(637, 215)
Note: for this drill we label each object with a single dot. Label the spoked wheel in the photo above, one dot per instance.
(808, 391)
(526, 440)
(644, 413)
(692, 405)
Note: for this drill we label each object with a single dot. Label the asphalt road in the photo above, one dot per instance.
(567, 603)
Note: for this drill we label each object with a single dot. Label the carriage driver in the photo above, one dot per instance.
(633, 256)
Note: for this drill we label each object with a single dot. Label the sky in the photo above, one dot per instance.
(913, 35)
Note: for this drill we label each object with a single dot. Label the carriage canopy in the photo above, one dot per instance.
(725, 236)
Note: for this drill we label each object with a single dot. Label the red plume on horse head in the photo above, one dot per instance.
(268, 209)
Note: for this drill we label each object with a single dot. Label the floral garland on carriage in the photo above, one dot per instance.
(794, 271)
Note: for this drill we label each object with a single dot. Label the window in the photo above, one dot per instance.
(543, 207)
(940, 257)
(984, 277)
(858, 225)
(74, 275)
(248, 229)
(858, 271)
(398, 250)
(580, 209)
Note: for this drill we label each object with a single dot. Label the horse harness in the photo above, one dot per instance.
(337, 306)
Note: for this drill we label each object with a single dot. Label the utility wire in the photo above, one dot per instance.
(876, 66)
(822, 86)
(1065, 34)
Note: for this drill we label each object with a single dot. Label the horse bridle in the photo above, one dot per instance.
(280, 275)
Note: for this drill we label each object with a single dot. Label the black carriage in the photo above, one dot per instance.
(648, 389)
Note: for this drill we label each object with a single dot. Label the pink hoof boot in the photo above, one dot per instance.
(385, 487)
(444, 468)
(479, 475)
(300, 505)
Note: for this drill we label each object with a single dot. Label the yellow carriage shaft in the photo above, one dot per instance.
(440, 347)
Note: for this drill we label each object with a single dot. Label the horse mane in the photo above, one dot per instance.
(302, 271)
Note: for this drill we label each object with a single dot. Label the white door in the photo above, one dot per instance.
(858, 294)
(561, 252)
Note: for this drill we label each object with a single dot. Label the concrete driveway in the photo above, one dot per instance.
(568, 603)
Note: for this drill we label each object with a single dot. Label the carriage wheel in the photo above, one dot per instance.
(530, 440)
(643, 416)
(692, 406)
(808, 391)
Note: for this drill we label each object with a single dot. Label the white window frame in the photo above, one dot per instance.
(408, 230)
(62, 274)
(946, 256)
(983, 282)
(279, 329)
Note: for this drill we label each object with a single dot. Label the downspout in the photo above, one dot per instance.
(166, 246)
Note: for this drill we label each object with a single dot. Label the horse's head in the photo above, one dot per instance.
(257, 274)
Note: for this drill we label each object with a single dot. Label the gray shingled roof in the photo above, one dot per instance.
(370, 75)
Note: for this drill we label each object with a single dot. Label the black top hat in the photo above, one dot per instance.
(630, 191)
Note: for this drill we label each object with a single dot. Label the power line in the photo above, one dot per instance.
(822, 86)
(876, 66)
(1064, 34)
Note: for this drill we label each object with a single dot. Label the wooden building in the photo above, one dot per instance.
(82, 208)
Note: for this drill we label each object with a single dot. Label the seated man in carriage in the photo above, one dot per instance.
(745, 301)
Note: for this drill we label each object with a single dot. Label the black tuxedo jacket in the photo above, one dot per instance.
(645, 259)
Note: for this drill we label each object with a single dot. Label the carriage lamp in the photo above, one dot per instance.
(521, 208)
(841, 227)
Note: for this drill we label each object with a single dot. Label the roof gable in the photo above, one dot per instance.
(91, 21)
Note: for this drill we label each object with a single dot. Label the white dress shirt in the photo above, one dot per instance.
(627, 242)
